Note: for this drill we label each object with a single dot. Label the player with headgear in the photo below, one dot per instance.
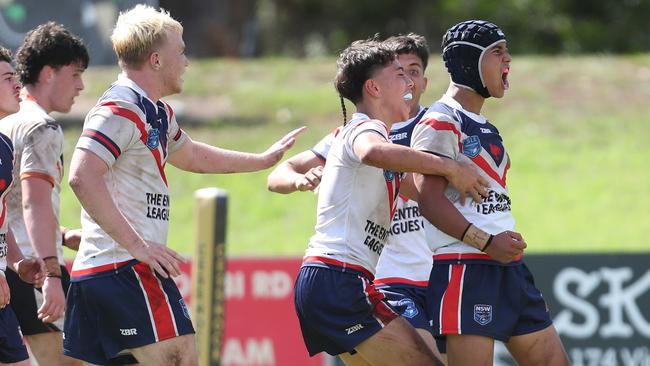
(405, 263)
(480, 289)
(339, 308)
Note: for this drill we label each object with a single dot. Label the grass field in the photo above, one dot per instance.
(576, 128)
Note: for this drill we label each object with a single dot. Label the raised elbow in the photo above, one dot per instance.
(372, 155)
(76, 182)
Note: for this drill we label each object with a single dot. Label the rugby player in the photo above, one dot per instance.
(480, 288)
(121, 295)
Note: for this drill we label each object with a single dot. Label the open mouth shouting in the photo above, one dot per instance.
(504, 78)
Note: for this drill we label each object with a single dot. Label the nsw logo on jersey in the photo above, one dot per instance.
(482, 313)
(389, 175)
(153, 140)
(472, 146)
(392, 186)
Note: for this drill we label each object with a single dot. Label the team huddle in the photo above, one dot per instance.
(442, 289)
(401, 269)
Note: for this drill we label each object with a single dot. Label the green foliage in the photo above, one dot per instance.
(576, 130)
(533, 26)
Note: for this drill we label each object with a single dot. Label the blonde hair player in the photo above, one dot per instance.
(121, 296)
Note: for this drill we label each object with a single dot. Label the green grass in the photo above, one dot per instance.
(576, 129)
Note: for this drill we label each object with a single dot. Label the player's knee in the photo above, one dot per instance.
(182, 355)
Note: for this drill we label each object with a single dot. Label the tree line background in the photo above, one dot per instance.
(249, 28)
(308, 28)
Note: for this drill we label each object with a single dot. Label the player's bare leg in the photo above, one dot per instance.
(178, 351)
(47, 348)
(353, 360)
(539, 348)
(459, 346)
(428, 339)
(397, 344)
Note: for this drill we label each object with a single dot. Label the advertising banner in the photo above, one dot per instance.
(600, 304)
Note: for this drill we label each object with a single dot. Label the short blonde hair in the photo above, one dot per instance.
(139, 31)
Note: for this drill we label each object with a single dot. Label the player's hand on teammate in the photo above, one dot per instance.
(506, 246)
(466, 180)
(71, 238)
(274, 153)
(31, 270)
(310, 180)
(161, 259)
(5, 295)
(53, 300)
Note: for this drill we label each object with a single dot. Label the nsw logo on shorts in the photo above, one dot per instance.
(482, 313)
(472, 146)
(410, 309)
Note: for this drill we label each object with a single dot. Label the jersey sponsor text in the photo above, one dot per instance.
(158, 206)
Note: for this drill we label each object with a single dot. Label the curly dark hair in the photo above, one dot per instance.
(5, 55)
(409, 43)
(48, 44)
(357, 63)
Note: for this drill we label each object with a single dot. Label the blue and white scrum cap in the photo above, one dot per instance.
(463, 47)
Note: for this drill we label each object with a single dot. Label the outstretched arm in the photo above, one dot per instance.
(199, 157)
(435, 207)
(301, 172)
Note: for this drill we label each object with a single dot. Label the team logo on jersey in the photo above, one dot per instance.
(389, 175)
(410, 309)
(472, 146)
(153, 140)
(184, 308)
(496, 151)
(482, 313)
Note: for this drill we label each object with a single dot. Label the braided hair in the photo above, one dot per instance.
(355, 65)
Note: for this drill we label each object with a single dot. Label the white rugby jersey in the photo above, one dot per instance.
(355, 201)
(451, 131)
(38, 146)
(6, 180)
(134, 137)
(406, 258)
